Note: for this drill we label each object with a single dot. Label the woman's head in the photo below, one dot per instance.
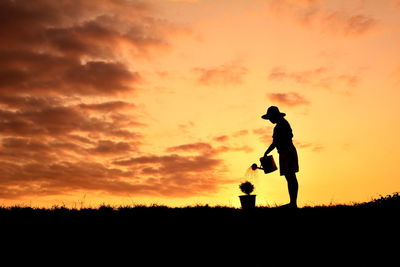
(273, 114)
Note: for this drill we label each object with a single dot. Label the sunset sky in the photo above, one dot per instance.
(128, 102)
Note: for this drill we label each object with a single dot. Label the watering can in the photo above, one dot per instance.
(267, 164)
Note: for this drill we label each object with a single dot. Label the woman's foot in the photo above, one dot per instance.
(289, 205)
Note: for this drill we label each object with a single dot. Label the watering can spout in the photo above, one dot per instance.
(255, 167)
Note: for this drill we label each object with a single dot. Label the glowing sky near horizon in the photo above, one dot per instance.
(159, 102)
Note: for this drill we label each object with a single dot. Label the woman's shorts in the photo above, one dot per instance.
(288, 161)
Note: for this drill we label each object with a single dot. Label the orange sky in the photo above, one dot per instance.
(159, 102)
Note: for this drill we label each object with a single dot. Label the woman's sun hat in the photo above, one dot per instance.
(272, 111)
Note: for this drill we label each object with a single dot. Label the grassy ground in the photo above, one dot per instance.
(388, 202)
(333, 233)
(379, 211)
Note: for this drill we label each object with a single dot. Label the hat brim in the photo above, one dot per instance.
(266, 117)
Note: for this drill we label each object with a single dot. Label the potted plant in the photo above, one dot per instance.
(248, 201)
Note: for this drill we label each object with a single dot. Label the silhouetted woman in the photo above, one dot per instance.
(282, 141)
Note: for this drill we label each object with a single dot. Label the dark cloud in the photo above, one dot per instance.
(107, 106)
(59, 121)
(25, 149)
(63, 110)
(28, 71)
(69, 47)
(225, 74)
(288, 99)
(61, 178)
(200, 146)
(76, 25)
(143, 175)
(31, 72)
(101, 78)
(207, 148)
(197, 173)
(108, 147)
(28, 102)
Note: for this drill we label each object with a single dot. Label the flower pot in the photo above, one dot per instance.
(248, 201)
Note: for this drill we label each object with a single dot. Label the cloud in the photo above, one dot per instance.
(231, 74)
(179, 164)
(307, 145)
(240, 133)
(186, 127)
(244, 148)
(396, 74)
(236, 134)
(288, 99)
(314, 14)
(307, 76)
(318, 77)
(264, 134)
(221, 138)
(348, 25)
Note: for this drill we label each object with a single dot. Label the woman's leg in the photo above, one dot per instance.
(293, 188)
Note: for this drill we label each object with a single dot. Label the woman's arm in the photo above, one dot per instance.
(270, 148)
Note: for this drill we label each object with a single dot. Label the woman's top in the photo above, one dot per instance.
(282, 137)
